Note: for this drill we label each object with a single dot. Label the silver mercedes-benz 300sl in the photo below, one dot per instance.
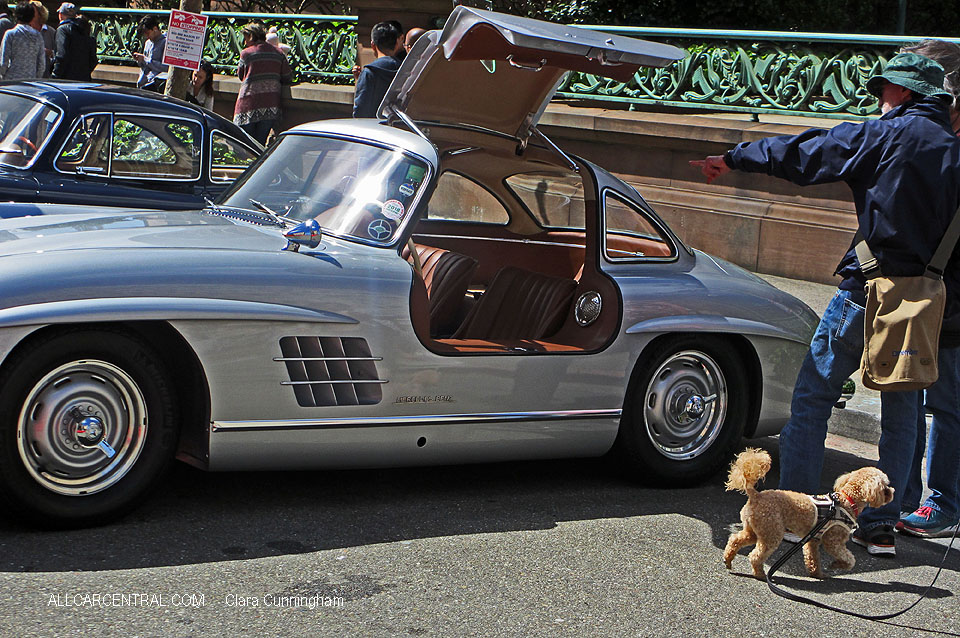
(443, 286)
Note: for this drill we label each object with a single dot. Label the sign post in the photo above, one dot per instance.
(186, 33)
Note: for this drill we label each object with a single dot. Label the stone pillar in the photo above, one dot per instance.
(426, 14)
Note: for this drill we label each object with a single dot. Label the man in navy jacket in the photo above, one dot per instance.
(904, 172)
(375, 78)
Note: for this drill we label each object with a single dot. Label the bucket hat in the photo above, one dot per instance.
(912, 71)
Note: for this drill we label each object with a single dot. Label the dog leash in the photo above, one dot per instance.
(802, 599)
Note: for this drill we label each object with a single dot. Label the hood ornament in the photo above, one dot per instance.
(306, 233)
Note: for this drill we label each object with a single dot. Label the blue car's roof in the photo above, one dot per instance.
(74, 97)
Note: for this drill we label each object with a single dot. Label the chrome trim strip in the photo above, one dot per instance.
(535, 242)
(160, 308)
(434, 419)
(339, 381)
(328, 358)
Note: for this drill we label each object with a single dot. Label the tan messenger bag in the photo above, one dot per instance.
(902, 320)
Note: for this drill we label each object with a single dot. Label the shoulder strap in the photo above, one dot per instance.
(945, 249)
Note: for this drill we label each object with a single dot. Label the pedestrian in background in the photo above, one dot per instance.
(375, 78)
(412, 36)
(22, 56)
(152, 69)
(200, 91)
(76, 50)
(274, 38)
(6, 22)
(47, 34)
(904, 171)
(263, 69)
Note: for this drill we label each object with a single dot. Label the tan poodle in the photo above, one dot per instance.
(768, 514)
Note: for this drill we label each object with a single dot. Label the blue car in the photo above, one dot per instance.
(67, 142)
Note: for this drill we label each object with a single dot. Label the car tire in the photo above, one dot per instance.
(87, 426)
(686, 412)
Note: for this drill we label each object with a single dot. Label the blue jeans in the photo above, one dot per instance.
(834, 355)
(943, 457)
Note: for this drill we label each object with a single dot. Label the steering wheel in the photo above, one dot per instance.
(27, 144)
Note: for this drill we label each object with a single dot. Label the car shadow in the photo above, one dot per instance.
(199, 517)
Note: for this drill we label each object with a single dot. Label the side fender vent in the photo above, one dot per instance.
(329, 371)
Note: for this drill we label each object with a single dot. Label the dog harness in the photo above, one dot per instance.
(829, 507)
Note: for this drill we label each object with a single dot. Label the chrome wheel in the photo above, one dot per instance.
(82, 427)
(685, 405)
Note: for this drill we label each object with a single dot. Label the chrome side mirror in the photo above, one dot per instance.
(306, 233)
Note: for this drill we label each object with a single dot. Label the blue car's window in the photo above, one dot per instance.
(355, 190)
(133, 147)
(554, 199)
(152, 147)
(229, 158)
(86, 148)
(25, 125)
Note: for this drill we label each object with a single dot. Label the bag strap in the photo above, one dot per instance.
(940, 257)
(870, 267)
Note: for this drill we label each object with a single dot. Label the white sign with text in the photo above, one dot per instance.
(185, 37)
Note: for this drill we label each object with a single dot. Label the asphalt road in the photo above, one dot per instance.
(560, 548)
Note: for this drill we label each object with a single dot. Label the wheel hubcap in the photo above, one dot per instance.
(685, 405)
(82, 427)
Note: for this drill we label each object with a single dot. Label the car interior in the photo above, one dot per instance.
(509, 245)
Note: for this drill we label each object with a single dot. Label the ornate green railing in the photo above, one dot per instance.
(814, 74)
(322, 47)
(818, 74)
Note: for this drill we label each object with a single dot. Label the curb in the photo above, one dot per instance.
(855, 424)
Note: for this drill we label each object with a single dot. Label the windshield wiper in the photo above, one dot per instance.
(258, 217)
(274, 217)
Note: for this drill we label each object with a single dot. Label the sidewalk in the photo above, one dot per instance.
(861, 418)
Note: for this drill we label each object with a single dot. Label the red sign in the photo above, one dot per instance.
(185, 36)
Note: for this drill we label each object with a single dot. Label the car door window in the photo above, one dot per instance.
(87, 148)
(630, 233)
(25, 126)
(153, 148)
(229, 157)
(554, 199)
(457, 198)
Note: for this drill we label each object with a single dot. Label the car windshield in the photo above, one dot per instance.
(353, 189)
(25, 124)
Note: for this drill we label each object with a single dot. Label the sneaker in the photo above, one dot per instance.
(903, 515)
(878, 541)
(929, 523)
(790, 537)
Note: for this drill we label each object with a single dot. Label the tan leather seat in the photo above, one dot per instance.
(446, 276)
(519, 304)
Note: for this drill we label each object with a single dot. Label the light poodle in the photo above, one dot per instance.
(768, 514)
